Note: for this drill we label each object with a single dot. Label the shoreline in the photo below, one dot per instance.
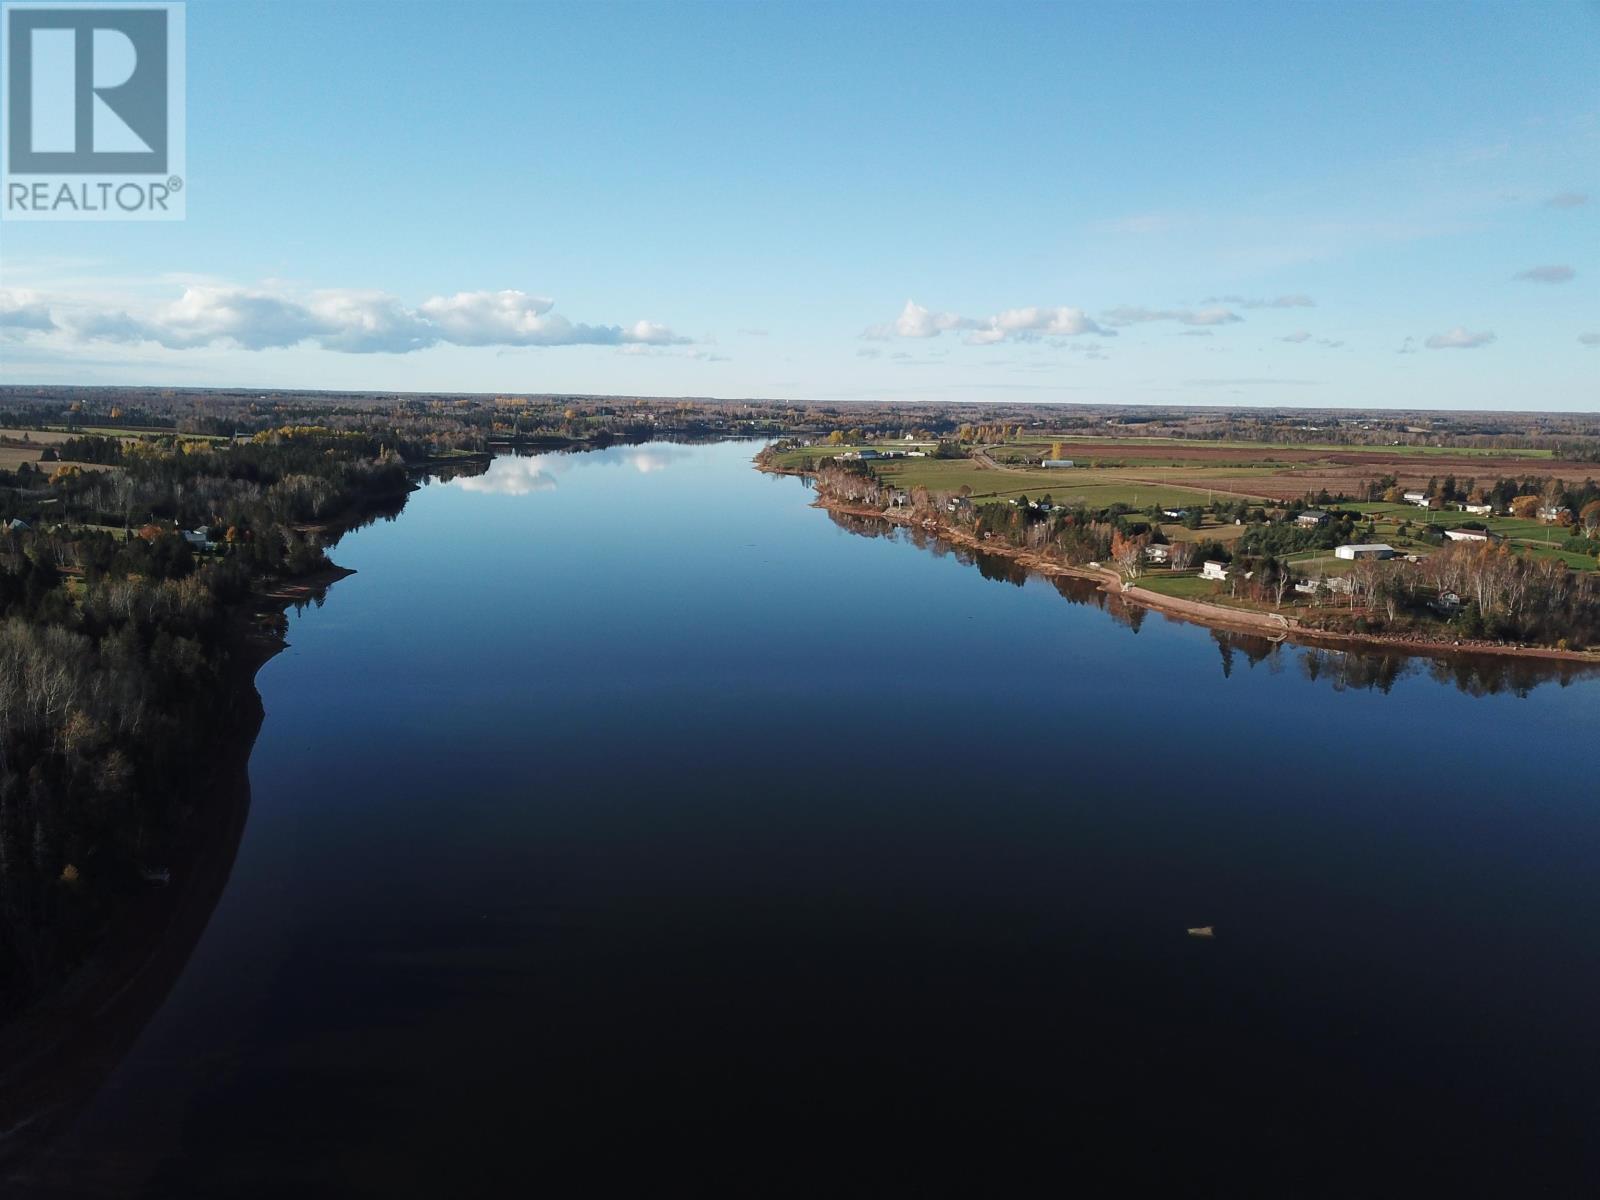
(56, 1054)
(1198, 612)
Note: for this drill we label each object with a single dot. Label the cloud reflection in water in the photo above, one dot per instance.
(514, 475)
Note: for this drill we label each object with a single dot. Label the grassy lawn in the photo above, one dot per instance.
(1187, 587)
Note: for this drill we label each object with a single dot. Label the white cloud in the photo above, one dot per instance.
(512, 318)
(23, 312)
(346, 320)
(1459, 339)
(1130, 315)
(914, 321)
(1551, 274)
(1589, 339)
(1014, 324)
(1568, 200)
(368, 322)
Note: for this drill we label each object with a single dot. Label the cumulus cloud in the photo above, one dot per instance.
(1297, 300)
(512, 318)
(1552, 274)
(1568, 200)
(1459, 339)
(346, 320)
(1014, 324)
(1130, 315)
(23, 312)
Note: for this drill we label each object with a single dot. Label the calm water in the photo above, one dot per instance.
(625, 814)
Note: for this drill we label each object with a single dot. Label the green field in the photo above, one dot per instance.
(1147, 488)
(1042, 442)
(1094, 488)
(1183, 586)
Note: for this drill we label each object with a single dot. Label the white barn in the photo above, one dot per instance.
(1365, 550)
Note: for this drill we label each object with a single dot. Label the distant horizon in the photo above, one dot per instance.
(1216, 204)
(689, 398)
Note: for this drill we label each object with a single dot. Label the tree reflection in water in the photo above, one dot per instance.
(1341, 667)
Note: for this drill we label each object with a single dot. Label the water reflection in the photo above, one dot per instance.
(1340, 666)
(524, 474)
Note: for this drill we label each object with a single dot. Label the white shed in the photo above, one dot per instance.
(1365, 550)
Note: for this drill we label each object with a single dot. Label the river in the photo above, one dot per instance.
(625, 813)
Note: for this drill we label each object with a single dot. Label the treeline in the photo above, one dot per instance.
(1478, 590)
(1503, 495)
(117, 589)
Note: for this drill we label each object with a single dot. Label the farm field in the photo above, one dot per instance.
(1147, 486)
(1176, 470)
(1188, 449)
(1287, 472)
(12, 457)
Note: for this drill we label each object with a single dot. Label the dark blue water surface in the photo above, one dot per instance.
(624, 815)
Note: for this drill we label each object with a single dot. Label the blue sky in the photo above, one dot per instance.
(1325, 204)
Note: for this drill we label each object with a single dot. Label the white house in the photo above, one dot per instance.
(1478, 510)
(1158, 553)
(1365, 550)
(1311, 518)
(1177, 514)
(1468, 535)
(1420, 499)
(1214, 570)
(1055, 462)
(1308, 587)
(1553, 512)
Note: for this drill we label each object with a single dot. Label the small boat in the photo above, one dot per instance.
(1203, 931)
